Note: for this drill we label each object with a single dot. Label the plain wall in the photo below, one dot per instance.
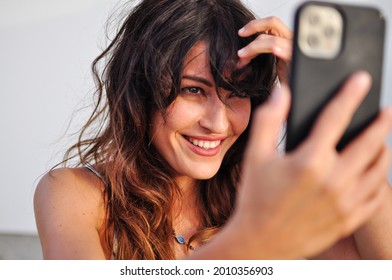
(46, 50)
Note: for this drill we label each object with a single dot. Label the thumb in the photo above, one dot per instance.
(267, 122)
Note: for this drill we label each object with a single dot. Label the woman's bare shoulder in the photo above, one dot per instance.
(72, 185)
(69, 211)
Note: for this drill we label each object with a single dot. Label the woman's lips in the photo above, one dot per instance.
(204, 147)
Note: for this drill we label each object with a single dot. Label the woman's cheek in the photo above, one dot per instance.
(241, 115)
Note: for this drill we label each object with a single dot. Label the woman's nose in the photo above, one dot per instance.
(215, 117)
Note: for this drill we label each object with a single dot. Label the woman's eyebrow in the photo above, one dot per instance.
(198, 79)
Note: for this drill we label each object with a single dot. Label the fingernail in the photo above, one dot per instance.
(241, 52)
(364, 77)
(241, 31)
(277, 50)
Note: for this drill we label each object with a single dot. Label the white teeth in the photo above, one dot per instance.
(204, 144)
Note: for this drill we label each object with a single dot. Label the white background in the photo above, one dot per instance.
(46, 50)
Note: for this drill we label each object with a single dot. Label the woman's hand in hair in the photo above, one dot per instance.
(299, 204)
(274, 37)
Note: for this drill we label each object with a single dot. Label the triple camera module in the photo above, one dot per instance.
(321, 30)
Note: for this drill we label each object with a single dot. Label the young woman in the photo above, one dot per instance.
(183, 161)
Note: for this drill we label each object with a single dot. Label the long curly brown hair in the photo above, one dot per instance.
(141, 74)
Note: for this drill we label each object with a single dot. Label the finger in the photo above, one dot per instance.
(267, 122)
(365, 210)
(278, 46)
(336, 116)
(272, 24)
(373, 178)
(362, 151)
(281, 48)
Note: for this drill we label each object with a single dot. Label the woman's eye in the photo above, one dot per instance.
(192, 90)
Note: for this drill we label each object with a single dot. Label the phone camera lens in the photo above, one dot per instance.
(314, 19)
(329, 31)
(313, 41)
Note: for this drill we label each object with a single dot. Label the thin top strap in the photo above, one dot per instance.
(115, 241)
(92, 169)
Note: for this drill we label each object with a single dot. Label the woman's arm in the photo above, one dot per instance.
(69, 215)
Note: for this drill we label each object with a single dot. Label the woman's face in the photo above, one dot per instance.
(199, 128)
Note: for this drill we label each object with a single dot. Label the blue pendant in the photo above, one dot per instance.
(180, 239)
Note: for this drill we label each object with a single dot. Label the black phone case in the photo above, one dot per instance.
(315, 81)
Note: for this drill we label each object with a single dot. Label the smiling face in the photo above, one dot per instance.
(200, 126)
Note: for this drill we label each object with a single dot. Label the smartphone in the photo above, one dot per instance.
(331, 42)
